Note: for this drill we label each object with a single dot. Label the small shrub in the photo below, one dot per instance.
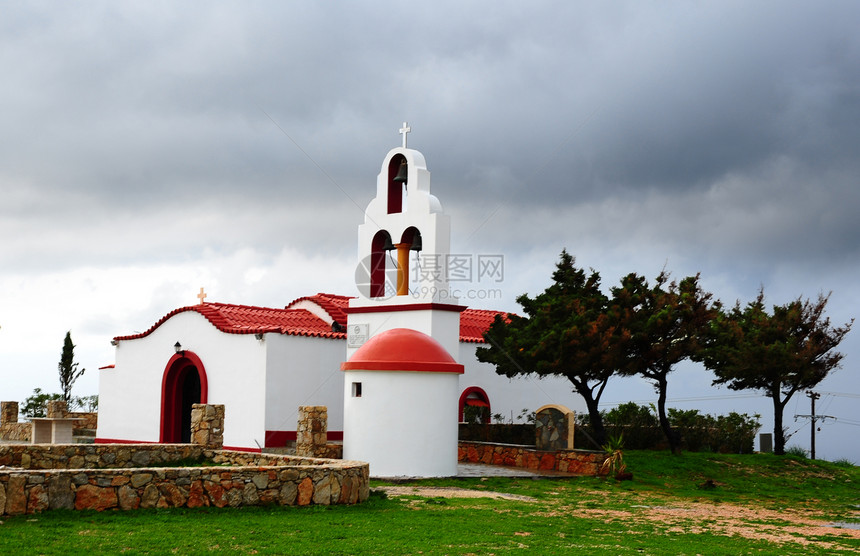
(796, 451)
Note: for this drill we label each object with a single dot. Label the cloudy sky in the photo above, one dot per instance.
(151, 148)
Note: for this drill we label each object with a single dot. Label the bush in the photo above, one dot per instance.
(796, 451)
(732, 433)
(36, 405)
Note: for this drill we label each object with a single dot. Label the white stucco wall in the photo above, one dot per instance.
(404, 423)
(300, 371)
(130, 394)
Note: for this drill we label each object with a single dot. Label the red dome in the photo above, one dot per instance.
(402, 349)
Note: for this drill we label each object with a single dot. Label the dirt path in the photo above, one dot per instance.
(788, 526)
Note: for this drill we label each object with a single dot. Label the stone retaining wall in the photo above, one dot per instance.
(580, 462)
(104, 476)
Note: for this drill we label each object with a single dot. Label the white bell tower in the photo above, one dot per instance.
(401, 381)
(403, 251)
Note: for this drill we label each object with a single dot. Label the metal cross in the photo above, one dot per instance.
(403, 131)
(201, 296)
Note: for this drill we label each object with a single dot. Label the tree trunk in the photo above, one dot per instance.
(671, 435)
(594, 416)
(778, 431)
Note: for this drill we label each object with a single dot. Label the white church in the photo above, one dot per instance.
(399, 353)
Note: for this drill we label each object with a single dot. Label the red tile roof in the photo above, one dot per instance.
(332, 304)
(473, 323)
(244, 319)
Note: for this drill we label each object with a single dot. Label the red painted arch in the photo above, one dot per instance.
(479, 392)
(175, 373)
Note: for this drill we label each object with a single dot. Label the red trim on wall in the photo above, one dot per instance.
(177, 367)
(472, 390)
(405, 366)
(279, 439)
(397, 308)
(101, 440)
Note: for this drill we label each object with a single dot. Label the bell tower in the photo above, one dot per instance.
(401, 376)
(403, 248)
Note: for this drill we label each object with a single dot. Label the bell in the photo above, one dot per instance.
(403, 173)
(387, 246)
(416, 242)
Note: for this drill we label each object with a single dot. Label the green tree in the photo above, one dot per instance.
(569, 330)
(781, 353)
(666, 323)
(68, 369)
(36, 404)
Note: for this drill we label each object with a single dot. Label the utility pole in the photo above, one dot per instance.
(813, 418)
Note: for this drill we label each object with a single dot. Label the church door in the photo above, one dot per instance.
(183, 385)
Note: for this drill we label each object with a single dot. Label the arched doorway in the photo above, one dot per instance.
(474, 406)
(184, 384)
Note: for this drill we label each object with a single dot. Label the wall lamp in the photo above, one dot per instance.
(177, 347)
(259, 336)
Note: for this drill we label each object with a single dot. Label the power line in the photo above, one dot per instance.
(813, 418)
(694, 399)
(841, 394)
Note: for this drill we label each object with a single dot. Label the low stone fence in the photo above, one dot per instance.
(89, 420)
(579, 462)
(19, 432)
(130, 476)
(11, 429)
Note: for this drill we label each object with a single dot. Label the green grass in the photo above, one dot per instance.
(578, 515)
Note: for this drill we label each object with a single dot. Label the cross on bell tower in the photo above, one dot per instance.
(404, 131)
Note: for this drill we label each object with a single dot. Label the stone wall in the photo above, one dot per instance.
(8, 412)
(10, 428)
(104, 476)
(579, 462)
(89, 420)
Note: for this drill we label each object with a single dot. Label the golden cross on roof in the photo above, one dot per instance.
(201, 296)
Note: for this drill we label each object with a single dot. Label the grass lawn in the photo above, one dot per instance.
(689, 504)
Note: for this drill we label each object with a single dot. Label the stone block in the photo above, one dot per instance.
(56, 409)
(90, 497)
(60, 492)
(128, 498)
(8, 413)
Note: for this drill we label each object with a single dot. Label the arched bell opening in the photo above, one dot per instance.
(379, 246)
(410, 241)
(398, 176)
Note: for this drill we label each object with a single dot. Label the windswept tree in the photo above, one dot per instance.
(68, 369)
(666, 323)
(569, 330)
(779, 354)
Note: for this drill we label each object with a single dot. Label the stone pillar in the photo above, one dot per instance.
(56, 409)
(207, 425)
(8, 413)
(312, 430)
